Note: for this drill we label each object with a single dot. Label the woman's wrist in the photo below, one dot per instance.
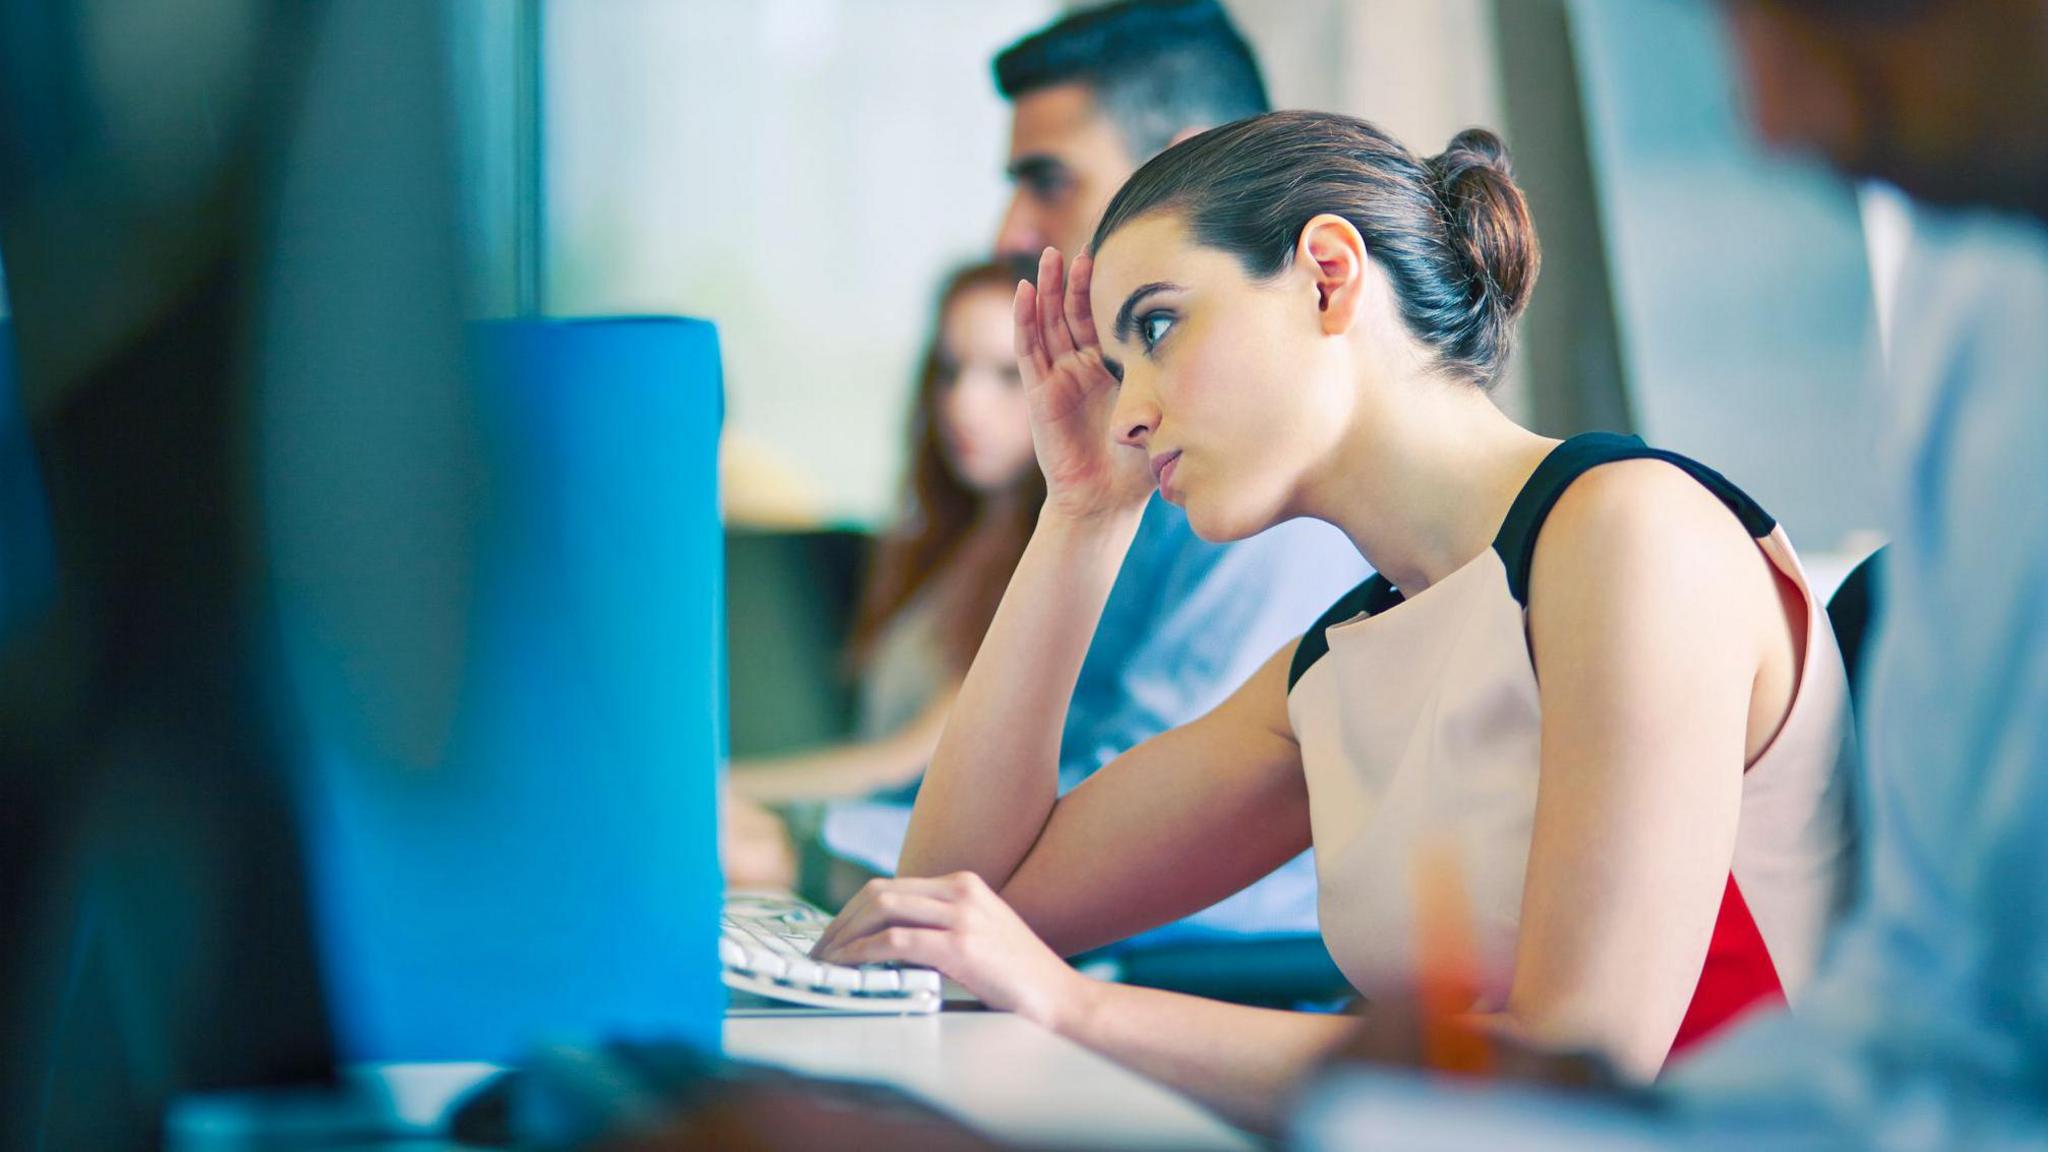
(1108, 527)
(1082, 549)
(1067, 1005)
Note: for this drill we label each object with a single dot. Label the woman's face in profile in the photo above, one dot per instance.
(1227, 385)
(978, 409)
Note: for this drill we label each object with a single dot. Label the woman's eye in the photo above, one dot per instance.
(1152, 328)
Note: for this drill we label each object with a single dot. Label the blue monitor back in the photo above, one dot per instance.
(555, 875)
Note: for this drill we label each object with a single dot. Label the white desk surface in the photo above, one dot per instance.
(1002, 1075)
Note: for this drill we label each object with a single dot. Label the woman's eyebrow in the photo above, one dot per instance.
(1131, 302)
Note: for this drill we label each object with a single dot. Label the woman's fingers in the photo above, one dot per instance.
(862, 912)
(960, 926)
(855, 913)
(850, 911)
(923, 947)
(1052, 296)
(1081, 321)
(889, 912)
(1031, 358)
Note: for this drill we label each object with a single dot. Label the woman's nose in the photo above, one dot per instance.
(1133, 418)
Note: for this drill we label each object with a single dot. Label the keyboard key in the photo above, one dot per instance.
(765, 945)
(770, 942)
(809, 973)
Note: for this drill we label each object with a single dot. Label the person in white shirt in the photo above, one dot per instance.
(1927, 1024)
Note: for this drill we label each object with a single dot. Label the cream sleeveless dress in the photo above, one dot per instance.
(1419, 726)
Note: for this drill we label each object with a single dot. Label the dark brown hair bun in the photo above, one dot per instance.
(1488, 218)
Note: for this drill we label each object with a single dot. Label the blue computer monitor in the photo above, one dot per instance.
(550, 871)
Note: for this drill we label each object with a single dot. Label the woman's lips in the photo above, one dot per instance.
(1162, 468)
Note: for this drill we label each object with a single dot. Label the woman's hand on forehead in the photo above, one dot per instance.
(1053, 320)
(1072, 391)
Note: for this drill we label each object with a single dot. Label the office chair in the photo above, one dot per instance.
(1852, 610)
(1290, 971)
(790, 603)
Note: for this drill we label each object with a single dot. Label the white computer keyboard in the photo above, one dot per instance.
(765, 942)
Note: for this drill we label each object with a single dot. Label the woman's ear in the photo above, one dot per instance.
(1332, 253)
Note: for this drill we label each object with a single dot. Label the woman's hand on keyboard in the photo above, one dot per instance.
(958, 925)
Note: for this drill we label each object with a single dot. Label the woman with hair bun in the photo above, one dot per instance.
(1579, 749)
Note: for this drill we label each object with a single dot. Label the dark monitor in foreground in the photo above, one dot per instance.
(197, 726)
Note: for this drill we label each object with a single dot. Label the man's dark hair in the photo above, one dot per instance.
(1155, 67)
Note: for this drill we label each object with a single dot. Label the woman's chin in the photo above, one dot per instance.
(1220, 525)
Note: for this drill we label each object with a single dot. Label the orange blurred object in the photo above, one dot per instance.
(1447, 962)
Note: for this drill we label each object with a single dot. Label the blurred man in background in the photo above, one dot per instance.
(1097, 94)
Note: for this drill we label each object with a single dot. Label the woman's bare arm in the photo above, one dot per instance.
(995, 775)
(1181, 821)
(1239, 1060)
(1164, 830)
(1651, 615)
